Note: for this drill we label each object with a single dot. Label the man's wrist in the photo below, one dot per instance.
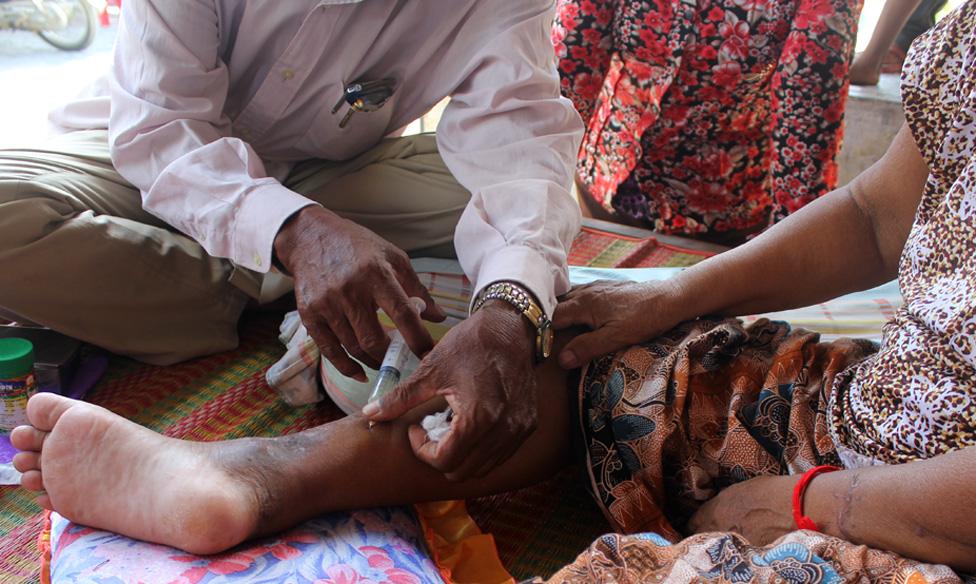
(526, 304)
(288, 237)
(284, 241)
(513, 326)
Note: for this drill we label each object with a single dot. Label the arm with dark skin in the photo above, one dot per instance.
(848, 240)
(483, 367)
(343, 272)
(920, 510)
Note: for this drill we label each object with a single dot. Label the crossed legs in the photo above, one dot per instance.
(90, 262)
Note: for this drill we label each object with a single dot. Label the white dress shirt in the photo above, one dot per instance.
(213, 101)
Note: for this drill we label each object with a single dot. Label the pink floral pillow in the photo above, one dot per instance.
(375, 546)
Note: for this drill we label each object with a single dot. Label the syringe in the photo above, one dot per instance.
(398, 355)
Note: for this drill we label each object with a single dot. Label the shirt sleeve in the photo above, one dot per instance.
(510, 139)
(617, 63)
(809, 87)
(170, 137)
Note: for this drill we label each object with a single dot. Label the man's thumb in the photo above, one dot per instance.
(401, 399)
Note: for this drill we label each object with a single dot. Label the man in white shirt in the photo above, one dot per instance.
(221, 115)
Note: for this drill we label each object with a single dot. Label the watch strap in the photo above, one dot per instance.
(519, 297)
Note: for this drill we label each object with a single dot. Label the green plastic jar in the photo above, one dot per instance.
(17, 383)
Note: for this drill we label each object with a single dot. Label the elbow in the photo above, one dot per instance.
(885, 267)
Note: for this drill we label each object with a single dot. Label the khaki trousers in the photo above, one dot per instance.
(80, 255)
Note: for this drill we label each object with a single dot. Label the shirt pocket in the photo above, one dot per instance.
(325, 139)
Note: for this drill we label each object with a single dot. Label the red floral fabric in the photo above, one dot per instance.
(707, 116)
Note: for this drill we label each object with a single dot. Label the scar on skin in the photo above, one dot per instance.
(843, 514)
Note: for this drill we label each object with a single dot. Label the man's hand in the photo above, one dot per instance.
(619, 314)
(343, 273)
(759, 509)
(484, 368)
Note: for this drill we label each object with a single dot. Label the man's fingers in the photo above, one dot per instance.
(464, 441)
(412, 285)
(494, 462)
(350, 342)
(396, 304)
(482, 455)
(515, 437)
(480, 468)
(423, 448)
(332, 350)
(414, 288)
(451, 456)
(369, 334)
(587, 346)
(419, 388)
(444, 455)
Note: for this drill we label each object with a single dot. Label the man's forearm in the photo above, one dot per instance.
(922, 510)
(826, 249)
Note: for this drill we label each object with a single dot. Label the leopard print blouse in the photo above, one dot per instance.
(917, 397)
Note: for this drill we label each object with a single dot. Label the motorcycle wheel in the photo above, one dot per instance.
(80, 31)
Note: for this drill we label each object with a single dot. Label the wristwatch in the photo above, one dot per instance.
(522, 300)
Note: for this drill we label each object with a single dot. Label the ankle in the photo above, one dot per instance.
(254, 466)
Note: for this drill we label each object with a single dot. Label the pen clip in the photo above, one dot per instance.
(364, 96)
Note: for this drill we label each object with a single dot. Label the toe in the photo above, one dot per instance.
(44, 501)
(31, 480)
(27, 438)
(25, 461)
(44, 409)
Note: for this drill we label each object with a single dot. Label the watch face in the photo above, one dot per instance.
(546, 337)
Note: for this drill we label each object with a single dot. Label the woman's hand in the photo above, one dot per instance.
(619, 314)
(760, 509)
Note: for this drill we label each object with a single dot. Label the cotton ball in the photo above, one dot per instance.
(437, 425)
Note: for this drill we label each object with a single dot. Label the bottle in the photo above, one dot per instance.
(17, 383)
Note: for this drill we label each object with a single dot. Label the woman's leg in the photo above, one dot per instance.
(100, 470)
(867, 65)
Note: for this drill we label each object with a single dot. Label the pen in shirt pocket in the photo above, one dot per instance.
(364, 96)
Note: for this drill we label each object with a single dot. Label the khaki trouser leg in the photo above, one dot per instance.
(80, 255)
(400, 189)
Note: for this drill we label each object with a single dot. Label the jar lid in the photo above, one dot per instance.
(16, 357)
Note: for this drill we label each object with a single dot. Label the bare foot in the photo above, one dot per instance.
(865, 70)
(101, 470)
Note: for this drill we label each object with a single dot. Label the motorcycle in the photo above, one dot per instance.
(68, 25)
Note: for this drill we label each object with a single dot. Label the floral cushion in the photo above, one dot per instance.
(376, 546)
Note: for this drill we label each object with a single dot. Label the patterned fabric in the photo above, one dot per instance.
(916, 398)
(380, 546)
(670, 423)
(860, 315)
(802, 557)
(597, 248)
(707, 116)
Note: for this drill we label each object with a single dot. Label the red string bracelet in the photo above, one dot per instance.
(802, 521)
